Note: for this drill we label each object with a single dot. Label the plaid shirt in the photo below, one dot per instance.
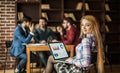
(83, 51)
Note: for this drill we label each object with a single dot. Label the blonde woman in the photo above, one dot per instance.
(99, 45)
(91, 41)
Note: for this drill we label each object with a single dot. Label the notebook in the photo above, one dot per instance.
(59, 52)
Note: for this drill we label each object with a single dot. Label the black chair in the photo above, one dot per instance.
(7, 44)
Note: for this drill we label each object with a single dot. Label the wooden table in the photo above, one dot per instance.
(30, 48)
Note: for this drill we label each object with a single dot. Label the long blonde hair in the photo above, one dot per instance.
(99, 46)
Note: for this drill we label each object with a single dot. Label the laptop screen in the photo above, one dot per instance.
(58, 50)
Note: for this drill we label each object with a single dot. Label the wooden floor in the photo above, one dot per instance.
(115, 69)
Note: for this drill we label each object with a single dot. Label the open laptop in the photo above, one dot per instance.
(59, 52)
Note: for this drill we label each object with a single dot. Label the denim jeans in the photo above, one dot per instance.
(23, 60)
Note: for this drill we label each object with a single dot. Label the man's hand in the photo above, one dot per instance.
(69, 60)
(31, 27)
(60, 30)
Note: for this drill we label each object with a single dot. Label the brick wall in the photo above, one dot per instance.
(7, 26)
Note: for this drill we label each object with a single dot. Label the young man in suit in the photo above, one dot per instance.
(18, 45)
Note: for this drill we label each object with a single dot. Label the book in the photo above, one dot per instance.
(106, 48)
(20, 15)
(107, 17)
(87, 6)
(107, 8)
(70, 15)
(44, 14)
(45, 6)
(79, 6)
(106, 28)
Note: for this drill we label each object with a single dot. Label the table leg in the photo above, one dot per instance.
(72, 51)
(28, 60)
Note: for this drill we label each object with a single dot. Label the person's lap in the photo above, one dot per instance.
(23, 59)
(43, 57)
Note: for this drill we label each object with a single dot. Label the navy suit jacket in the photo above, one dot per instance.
(20, 38)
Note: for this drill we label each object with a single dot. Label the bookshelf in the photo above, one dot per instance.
(107, 13)
(96, 8)
(56, 10)
(113, 23)
(28, 9)
(73, 8)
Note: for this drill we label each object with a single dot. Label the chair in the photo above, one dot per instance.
(8, 45)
